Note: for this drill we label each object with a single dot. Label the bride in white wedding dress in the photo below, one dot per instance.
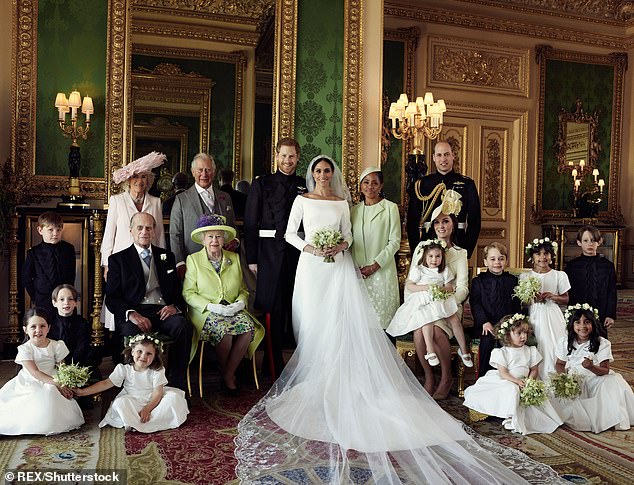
(347, 409)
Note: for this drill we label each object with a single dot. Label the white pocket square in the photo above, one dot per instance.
(170, 271)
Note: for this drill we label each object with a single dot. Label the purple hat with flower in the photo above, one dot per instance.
(212, 222)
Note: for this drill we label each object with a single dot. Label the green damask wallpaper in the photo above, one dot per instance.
(71, 55)
(318, 109)
(393, 86)
(565, 82)
(221, 120)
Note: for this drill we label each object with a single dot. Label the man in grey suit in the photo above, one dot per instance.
(201, 198)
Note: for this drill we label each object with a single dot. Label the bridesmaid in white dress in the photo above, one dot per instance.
(31, 402)
(606, 398)
(145, 403)
(545, 314)
(346, 405)
(498, 392)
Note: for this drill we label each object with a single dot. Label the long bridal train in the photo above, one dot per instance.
(347, 409)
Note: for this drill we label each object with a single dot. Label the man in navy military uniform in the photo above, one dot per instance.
(426, 195)
(269, 256)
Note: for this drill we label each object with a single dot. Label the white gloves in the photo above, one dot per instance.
(226, 310)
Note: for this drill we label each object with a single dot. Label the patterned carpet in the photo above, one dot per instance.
(201, 451)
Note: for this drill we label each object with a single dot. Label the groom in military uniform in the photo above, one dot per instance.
(269, 256)
(426, 194)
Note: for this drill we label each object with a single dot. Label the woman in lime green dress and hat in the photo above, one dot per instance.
(376, 230)
(217, 296)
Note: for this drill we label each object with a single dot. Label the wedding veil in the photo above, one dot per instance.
(338, 186)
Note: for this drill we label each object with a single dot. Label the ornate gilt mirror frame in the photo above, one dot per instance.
(159, 129)
(167, 90)
(24, 89)
(580, 145)
(616, 60)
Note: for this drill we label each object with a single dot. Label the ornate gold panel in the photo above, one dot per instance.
(284, 72)
(24, 85)
(352, 90)
(494, 160)
(493, 233)
(478, 66)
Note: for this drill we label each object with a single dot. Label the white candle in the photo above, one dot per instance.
(601, 184)
(582, 164)
(574, 172)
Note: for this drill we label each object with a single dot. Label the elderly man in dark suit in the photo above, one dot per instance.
(201, 198)
(144, 294)
(269, 256)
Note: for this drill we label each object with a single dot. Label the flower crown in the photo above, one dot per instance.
(435, 242)
(507, 324)
(540, 242)
(141, 337)
(580, 306)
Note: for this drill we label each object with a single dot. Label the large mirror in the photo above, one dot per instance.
(169, 112)
(590, 89)
(577, 138)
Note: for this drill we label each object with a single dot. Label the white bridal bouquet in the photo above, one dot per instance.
(71, 375)
(327, 238)
(527, 289)
(533, 393)
(565, 386)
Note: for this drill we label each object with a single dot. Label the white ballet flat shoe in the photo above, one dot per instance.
(466, 358)
(432, 359)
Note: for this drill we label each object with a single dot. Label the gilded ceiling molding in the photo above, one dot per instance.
(613, 12)
(236, 11)
(24, 94)
(352, 85)
(283, 123)
(478, 66)
(472, 21)
(196, 32)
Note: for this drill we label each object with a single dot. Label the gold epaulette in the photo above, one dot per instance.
(429, 201)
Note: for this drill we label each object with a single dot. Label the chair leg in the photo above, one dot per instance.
(269, 345)
(255, 373)
(200, 369)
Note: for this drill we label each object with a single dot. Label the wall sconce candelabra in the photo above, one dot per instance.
(587, 194)
(72, 129)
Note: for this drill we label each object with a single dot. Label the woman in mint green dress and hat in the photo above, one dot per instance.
(217, 296)
(376, 229)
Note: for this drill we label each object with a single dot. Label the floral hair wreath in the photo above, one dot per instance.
(540, 242)
(435, 242)
(507, 324)
(141, 337)
(580, 306)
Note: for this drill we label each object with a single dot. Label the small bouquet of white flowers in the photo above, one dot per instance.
(565, 386)
(327, 238)
(71, 375)
(533, 393)
(438, 293)
(527, 289)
